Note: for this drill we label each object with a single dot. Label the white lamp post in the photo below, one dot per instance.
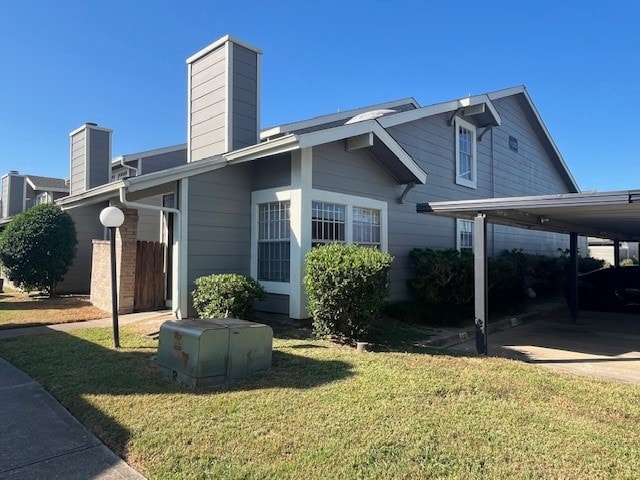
(112, 218)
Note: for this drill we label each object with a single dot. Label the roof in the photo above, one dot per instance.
(335, 119)
(47, 183)
(129, 157)
(614, 215)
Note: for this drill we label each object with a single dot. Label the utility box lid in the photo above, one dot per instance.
(212, 351)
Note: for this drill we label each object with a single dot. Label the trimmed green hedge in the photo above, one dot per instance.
(347, 286)
(226, 295)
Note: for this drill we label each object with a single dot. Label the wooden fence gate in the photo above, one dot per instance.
(149, 282)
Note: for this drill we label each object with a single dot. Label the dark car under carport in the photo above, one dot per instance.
(610, 289)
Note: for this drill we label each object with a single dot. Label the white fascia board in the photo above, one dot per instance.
(334, 117)
(142, 182)
(218, 43)
(90, 197)
(148, 153)
(345, 131)
(438, 108)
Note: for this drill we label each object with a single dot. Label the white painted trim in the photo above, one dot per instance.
(182, 288)
(258, 197)
(189, 113)
(221, 41)
(356, 201)
(333, 117)
(473, 183)
(438, 108)
(301, 187)
(228, 87)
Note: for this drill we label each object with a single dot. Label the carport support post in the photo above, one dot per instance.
(573, 275)
(616, 253)
(480, 281)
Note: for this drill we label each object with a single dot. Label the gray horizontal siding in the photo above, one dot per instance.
(5, 196)
(155, 163)
(78, 174)
(88, 228)
(207, 112)
(99, 158)
(245, 97)
(271, 172)
(219, 223)
(149, 220)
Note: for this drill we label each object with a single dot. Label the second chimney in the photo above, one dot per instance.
(224, 98)
(90, 147)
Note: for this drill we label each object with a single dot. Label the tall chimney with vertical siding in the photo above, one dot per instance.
(90, 147)
(224, 98)
(13, 194)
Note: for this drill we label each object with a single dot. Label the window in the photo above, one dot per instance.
(465, 153)
(464, 235)
(328, 222)
(274, 244)
(333, 222)
(366, 226)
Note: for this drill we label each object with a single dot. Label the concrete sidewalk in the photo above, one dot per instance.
(39, 438)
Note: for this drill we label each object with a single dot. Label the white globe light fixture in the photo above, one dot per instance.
(112, 218)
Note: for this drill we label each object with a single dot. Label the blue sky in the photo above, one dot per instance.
(121, 64)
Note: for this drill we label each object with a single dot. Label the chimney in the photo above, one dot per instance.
(90, 147)
(224, 98)
(14, 194)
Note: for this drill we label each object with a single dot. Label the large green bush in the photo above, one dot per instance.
(347, 286)
(38, 247)
(442, 276)
(226, 295)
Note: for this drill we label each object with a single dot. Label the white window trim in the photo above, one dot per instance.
(473, 183)
(459, 223)
(351, 201)
(279, 194)
(258, 198)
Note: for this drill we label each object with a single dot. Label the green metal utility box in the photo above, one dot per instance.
(212, 351)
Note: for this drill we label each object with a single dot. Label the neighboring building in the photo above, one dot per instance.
(254, 202)
(603, 249)
(20, 192)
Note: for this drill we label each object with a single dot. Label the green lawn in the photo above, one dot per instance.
(325, 411)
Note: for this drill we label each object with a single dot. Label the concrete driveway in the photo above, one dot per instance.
(602, 345)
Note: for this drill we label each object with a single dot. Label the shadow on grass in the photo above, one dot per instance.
(45, 304)
(71, 369)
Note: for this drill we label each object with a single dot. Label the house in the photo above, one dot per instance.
(256, 201)
(20, 192)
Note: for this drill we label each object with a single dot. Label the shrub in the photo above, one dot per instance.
(442, 276)
(627, 262)
(346, 286)
(227, 294)
(38, 247)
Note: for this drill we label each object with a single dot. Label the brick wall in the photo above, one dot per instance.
(126, 238)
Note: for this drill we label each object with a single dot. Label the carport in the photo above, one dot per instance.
(611, 215)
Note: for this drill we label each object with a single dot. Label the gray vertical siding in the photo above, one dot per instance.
(245, 97)
(78, 163)
(207, 111)
(99, 158)
(88, 227)
(219, 221)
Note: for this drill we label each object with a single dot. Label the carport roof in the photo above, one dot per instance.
(614, 215)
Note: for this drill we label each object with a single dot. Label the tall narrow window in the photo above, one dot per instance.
(366, 226)
(274, 245)
(328, 221)
(466, 165)
(464, 235)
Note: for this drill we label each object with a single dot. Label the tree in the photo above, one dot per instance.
(37, 247)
